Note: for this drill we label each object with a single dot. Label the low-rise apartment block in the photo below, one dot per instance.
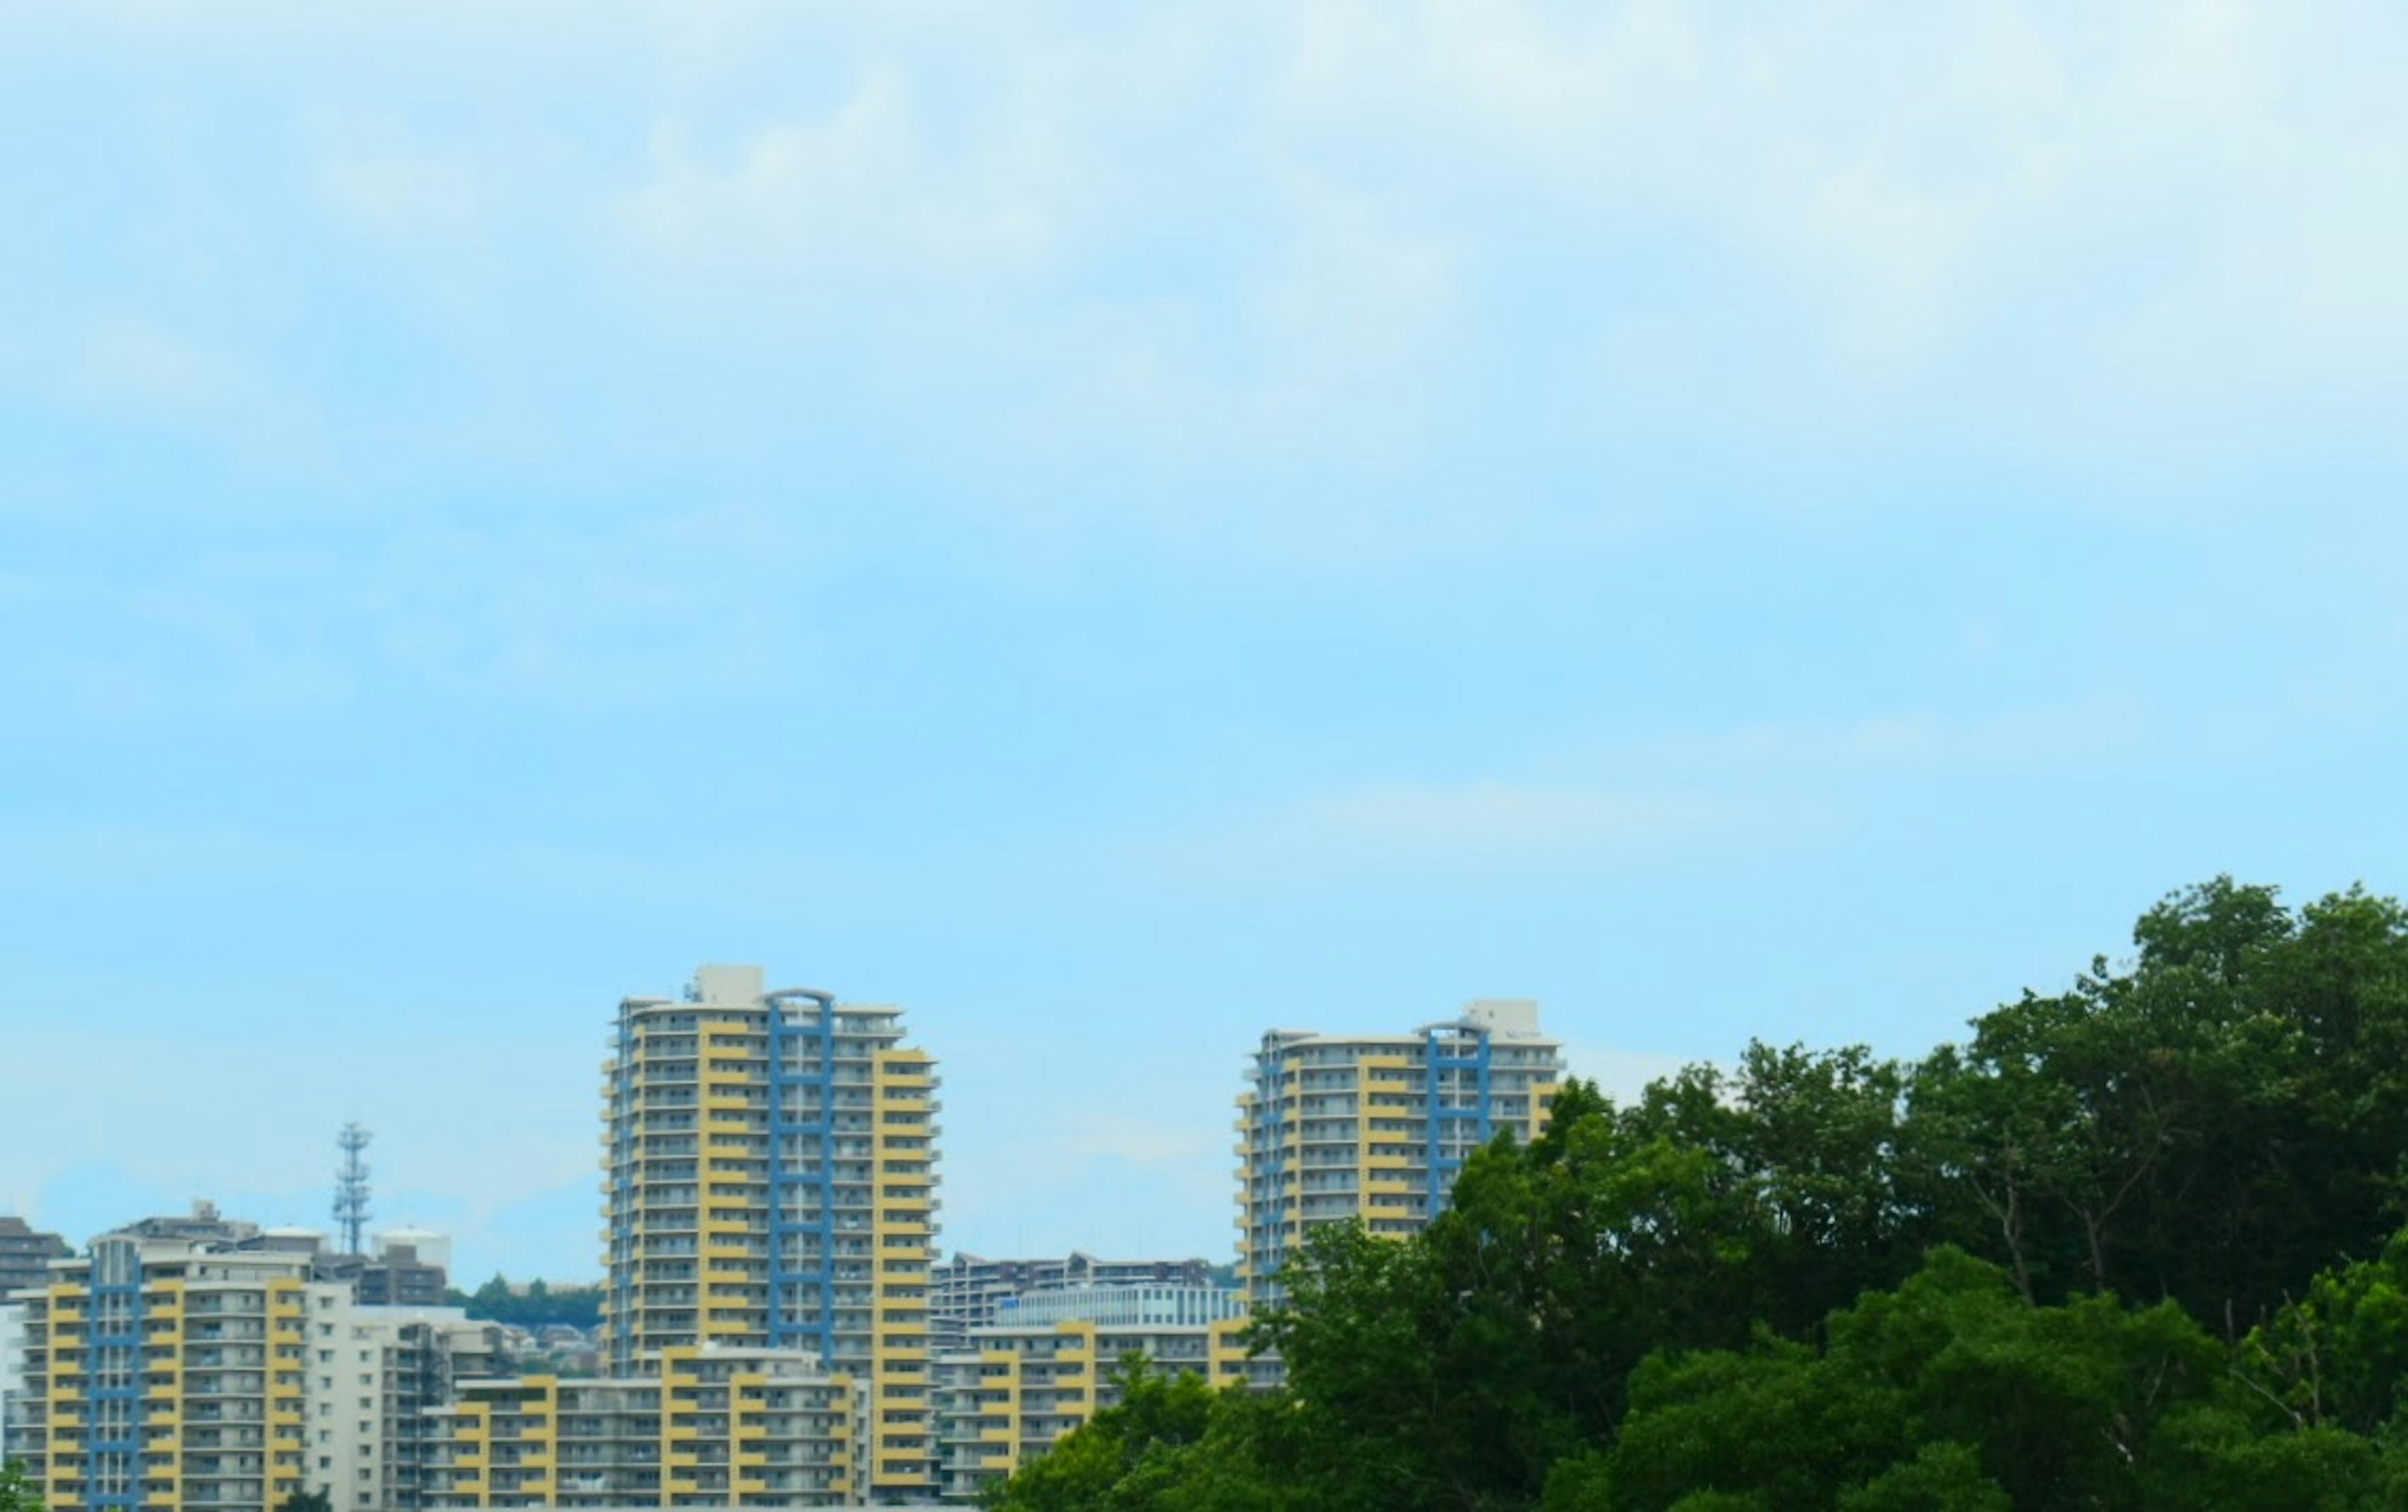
(181, 1373)
(1049, 1363)
(710, 1426)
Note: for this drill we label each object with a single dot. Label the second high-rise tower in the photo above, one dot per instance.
(771, 1162)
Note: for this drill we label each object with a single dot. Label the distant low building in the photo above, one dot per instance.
(204, 1224)
(969, 1289)
(394, 1276)
(25, 1256)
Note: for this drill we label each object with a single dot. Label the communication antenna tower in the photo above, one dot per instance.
(352, 1186)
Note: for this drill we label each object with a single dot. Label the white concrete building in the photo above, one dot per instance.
(377, 1376)
(12, 1379)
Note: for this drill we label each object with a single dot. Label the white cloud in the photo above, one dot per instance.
(859, 188)
(1623, 1075)
(402, 192)
(1492, 818)
(1139, 1141)
(127, 360)
(1664, 801)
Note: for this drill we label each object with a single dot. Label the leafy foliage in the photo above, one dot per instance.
(537, 1305)
(17, 1493)
(1821, 1280)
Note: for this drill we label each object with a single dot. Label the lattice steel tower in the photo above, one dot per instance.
(352, 1187)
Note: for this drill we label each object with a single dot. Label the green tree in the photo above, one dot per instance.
(307, 1502)
(1127, 1458)
(17, 1491)
(1950, 1391)
(1823, 1280)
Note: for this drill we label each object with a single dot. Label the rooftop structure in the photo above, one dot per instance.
(970, 1289)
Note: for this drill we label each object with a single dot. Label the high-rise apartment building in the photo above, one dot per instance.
(771, 1162)
(1340, 1127)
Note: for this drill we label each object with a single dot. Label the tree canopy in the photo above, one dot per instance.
(2131, 1245)
(17, 1491)
(534, 1306)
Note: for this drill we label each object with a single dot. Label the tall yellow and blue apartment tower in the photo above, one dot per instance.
(771, 1174)
(1375, 1129)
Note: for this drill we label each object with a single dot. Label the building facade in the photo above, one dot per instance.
(378, 1377)
(25, 1256)
(164, 1372)
(708, 1426)
(12, 1380)
(393, 1277)
(970, 1290)
(1048, 1364)
(770, 1184)
(1336, 1128)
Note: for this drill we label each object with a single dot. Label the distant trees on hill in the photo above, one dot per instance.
(536, 1304)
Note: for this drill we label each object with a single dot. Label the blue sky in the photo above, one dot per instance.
(1119, 526)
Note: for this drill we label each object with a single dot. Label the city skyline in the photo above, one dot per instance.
(292, 1210)
(1116, 529)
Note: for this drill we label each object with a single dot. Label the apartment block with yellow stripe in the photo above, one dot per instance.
(711, 1426)
(1049, 1363)
(770, 1161)
(166, 1373)
(1340, 1128)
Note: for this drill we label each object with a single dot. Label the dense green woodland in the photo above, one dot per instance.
(2131, 1246)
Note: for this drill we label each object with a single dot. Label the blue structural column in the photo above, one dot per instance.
(789, 1032)
(1439, 1058)
(113, 1379)
(1270, 1099)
